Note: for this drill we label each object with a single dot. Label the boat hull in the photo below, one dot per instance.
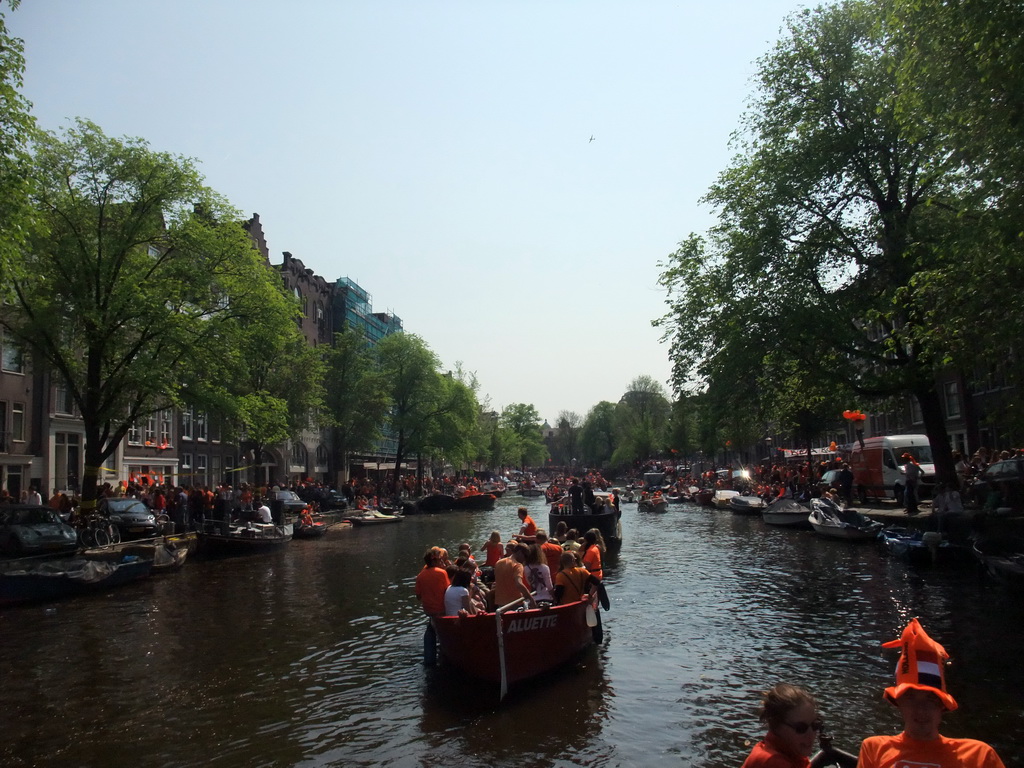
(786, 513)
(530, 643)
(441, 502)
(217, 538)
(646, 505)
(607, 523)
(53, 579)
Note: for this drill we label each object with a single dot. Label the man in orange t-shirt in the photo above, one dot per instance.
(921, 697)
(510, 579)
(431, 583)
(552, 552)
(529, 529)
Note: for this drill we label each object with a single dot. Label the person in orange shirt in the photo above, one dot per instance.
(510, 579)
(573, 582)
(493, 548)
(593, 550)
(529, 529)
(431, 584)
(921, 697)
(552, 552)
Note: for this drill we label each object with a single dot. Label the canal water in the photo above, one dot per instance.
(311, 656)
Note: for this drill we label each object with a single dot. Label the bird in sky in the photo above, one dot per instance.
(591, 138)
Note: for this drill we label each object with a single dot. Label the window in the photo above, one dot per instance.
(165, 426)
(64, 403)
(151, 429)
(916, 416)
(11, 361)
(200, 472)
(187, 428)
(298, 453)
(186, 461)
(18, 422)
(134, 435)
(322, 455)
(202, 432)
(951, 395)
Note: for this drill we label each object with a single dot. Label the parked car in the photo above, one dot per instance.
(33, 530)
(1007, 477)
(284, 504)
(334, 499)
(132, 517)
(830, 479)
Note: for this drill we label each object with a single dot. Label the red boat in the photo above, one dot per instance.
(509, 646)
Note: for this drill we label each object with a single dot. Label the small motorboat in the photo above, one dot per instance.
(704, 496)
(827, 519)
(787, 513)
(747, 505)
(656, 503)
(606, 518)
(27, 580)
(1003, 559)
(312, 528)
(509, 646)
(237, 537)
(723, 497)
(373, 517)
(920, 548)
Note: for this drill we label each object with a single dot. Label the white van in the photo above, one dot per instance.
(878, 469)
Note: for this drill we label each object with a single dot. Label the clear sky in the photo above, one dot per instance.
(440, 153)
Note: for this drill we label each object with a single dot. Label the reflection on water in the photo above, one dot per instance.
(311, 656)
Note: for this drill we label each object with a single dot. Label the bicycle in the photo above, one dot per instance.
(98, 531)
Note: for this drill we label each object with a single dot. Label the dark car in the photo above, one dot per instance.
(1000, 486)
(284, 504)
(132, 517)
(334, 499)
(33, 530)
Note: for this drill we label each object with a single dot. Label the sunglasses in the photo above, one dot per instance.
(801, 728)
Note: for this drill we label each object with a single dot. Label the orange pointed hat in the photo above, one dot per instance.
(921, 665)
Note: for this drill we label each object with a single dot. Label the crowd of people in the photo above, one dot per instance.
(532, 566)
(919, 694)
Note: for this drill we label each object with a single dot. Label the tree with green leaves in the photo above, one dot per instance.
(138, 284)
(641, 421)
(428, 410)
(277, 379)
(17, 127)
(567, 438)
(523, 444)
(962, 78)
(356, 395)
(597, 435)
(829, 217)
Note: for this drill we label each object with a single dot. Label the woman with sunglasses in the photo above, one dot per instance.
(791, 714)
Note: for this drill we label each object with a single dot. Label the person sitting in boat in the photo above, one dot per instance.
(306, 516)
(921, 697)
(529, 528)
(573, 582)
(538, 574)
(791, 714)
(263, 512)
(561, 532)
(493, 548)
(457, 598)
(509, 578)
(593, 550)
(431, 584)
(572, 541)
(551, 551)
